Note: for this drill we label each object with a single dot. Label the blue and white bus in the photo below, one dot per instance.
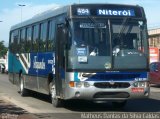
(96, 52)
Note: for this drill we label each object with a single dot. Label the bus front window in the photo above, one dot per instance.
(129, 44)
(90, 42)
(93, 36)
(127, 36)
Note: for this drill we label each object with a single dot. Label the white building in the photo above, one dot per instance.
(154, 37)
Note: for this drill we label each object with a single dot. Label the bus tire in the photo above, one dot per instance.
(22, 90)
(119, 104)
(56, 102)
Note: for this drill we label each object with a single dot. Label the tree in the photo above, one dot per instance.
(3, 49)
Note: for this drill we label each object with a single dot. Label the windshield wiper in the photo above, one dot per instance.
(121, 33)
(125, 21)
(97, 24)
(93, 20)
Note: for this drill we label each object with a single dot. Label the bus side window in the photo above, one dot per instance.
(43, 37)
(22, 39)
(35, 38)
(11, 42)
(51, 36)
(15, 41)
(28, 39)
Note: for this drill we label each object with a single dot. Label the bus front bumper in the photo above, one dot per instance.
(93, 93)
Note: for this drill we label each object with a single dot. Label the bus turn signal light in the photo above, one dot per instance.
(71, 84)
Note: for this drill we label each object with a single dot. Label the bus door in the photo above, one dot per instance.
(59, 59)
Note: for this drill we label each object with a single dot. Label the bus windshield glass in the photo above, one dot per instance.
(106, 44)
(93, 36)
(127, 35)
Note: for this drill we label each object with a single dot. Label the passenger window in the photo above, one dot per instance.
(11, 41)
(35, 38)
(22, 40)
(43, 37)
(51, 36)
(14, 41)
(28, 39)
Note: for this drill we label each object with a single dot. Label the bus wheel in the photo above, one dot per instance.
(119, 104)
(21, 85)
(57, 102)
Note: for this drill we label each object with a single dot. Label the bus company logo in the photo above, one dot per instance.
(109, 12)
(111, 82)
(107, 65)
(38, 65)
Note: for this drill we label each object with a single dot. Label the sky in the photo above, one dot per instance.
(10, 11)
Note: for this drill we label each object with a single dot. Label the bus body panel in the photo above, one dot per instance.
(35, 72)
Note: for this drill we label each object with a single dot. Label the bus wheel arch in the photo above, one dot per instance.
(50, 82)
(56, 102)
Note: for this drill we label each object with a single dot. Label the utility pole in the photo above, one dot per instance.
(21, 5)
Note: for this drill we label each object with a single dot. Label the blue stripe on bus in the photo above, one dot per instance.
(118, 76)
(76, 76)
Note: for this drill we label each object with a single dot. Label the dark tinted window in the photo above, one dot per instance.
(14, 41)
(28, 39)
(35, 38)
(51, 37)
(43, 37)
(11, 41)
(22, 40)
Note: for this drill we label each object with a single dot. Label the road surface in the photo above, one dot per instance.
(39, 105)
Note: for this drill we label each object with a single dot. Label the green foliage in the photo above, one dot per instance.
(3, 49)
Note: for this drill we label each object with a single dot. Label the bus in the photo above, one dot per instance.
(94, 52)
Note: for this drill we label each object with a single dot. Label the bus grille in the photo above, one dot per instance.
(111, 95)
(114, 85)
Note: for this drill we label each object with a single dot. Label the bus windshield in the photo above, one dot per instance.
(106, 44)
(126, 35)
(93, 36)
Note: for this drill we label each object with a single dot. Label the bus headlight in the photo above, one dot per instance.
(79, 84)
(140, 84)
(86, 84)
(135, 84)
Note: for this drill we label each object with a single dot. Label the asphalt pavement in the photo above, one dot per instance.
(10, 111)
(13, 106)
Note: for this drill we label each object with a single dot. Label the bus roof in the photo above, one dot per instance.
(66, 9)
(42, 16)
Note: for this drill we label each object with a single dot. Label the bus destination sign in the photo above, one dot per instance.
(83, 11)
(105, 12)
(92, 25)
(109, 12)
